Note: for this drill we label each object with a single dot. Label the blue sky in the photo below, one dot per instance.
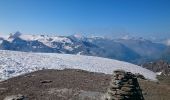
(144, 18)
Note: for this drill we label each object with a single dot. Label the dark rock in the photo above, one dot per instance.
(140, 76)
(46, 81)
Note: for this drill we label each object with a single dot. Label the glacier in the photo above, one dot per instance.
(15, 63)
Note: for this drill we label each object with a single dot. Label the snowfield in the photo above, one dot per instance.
(13, 63)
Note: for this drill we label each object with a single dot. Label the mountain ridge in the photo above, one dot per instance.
(133, 50)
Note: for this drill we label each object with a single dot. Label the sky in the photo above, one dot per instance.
(143, 18)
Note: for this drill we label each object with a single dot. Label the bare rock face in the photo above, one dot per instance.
(159, 66)
(123, 86)
(16, 97)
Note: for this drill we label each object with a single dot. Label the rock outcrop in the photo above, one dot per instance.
(160, 66)
(123, 86)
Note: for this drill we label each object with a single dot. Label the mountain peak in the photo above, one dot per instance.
(78, 36)
(15, 35)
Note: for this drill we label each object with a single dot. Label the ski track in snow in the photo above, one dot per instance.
(14, 63)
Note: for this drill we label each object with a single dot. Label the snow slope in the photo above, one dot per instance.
(47, 40)
(13, 63)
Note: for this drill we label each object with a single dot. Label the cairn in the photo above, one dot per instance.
(123, 86)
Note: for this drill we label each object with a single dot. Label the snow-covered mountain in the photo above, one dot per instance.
(74, 44)
(14, 63)
(133, 50)
(41, 43)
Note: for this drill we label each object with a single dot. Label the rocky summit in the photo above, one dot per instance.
(71, 84)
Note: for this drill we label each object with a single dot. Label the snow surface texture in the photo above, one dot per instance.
(13, 63)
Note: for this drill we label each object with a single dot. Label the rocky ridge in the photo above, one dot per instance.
(160, 67)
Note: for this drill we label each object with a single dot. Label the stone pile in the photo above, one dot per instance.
(123, 86)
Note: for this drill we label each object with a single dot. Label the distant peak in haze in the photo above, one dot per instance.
(128, 37)
(79, 36)
(15, 35)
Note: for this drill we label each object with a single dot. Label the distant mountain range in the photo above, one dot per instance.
(134, 50)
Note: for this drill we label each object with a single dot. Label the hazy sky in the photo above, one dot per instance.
(100, 17)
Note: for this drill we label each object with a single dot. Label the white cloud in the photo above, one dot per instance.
(168, 42)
